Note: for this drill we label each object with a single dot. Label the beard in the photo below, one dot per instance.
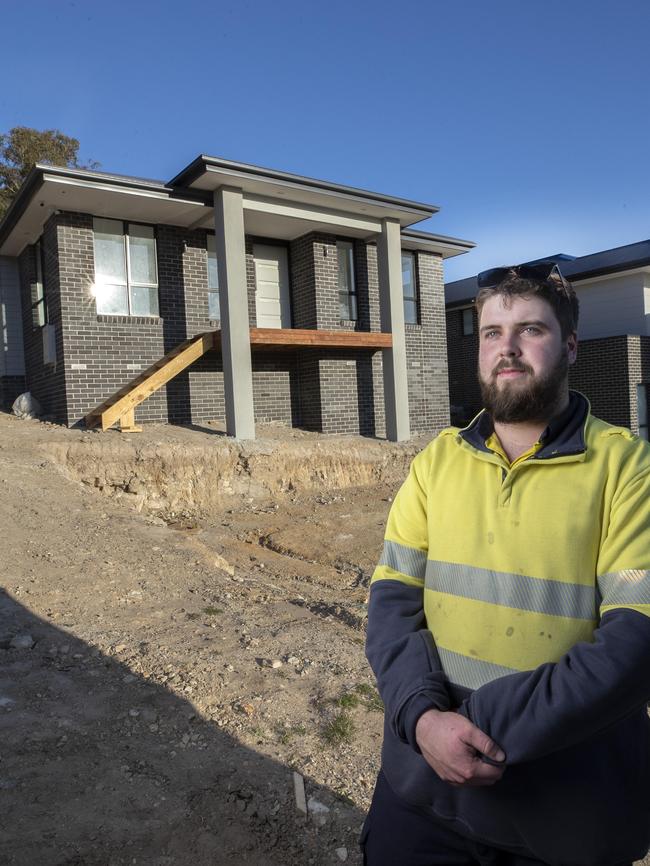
(536, 401)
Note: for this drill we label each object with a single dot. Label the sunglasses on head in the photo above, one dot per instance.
(545, 272)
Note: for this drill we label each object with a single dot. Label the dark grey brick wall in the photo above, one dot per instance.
(321, 389)
(46, 382)
(10, 388)
(303, 297)
(462, 354)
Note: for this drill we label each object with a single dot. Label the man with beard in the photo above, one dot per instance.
(509, 617)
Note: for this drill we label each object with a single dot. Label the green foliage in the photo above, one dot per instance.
(363, 695)
(348, 700)
(287, 733)
(370, 697)
(22, 147)
(339, 729)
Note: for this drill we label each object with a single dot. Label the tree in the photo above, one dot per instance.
(21, 148)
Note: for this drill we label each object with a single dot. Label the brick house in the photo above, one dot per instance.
(232, 292)
(613, 366)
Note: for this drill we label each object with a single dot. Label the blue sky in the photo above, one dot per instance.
(527, 122)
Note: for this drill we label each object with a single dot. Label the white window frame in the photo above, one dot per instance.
(347, 295)
(411, 300)
(213, 291)
(130, 283)
(39, 306)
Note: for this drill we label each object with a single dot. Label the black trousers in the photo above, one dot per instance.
(397, 834)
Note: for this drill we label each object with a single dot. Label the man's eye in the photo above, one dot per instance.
(531, 329)
(489, 334)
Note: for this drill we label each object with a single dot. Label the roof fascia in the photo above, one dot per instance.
(203, 163)
(41, 173)
(31, 185)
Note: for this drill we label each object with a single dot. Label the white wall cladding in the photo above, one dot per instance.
(12, 362)
(612, 306)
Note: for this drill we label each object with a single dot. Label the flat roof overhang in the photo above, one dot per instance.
(440, 244)
(48, 189)
(281, 207)
(209, 173)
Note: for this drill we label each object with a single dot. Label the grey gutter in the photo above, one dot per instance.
(197, 167)
(427, 236)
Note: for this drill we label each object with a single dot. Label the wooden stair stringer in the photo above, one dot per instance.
(121, 404)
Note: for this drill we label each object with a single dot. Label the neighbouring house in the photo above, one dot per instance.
(613, 366)
(231, 292)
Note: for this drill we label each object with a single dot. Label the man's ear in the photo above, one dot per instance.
(572, 347)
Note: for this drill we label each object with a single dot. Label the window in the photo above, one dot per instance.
(39, 309)
(642, 409)
(213, 280)
(347, 287)
(468, 321)
(409, 288)
(126, 276)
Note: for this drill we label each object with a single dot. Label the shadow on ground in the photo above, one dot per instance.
(101, 767)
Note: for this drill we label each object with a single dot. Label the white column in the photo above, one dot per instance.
(391, 308)
(233, 301)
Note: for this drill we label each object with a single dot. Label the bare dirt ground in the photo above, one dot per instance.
(181, 628)
(182, 622)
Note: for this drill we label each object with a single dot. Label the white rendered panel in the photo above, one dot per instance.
(611, 306)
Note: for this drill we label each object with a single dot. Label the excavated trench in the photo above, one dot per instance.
(201, 475)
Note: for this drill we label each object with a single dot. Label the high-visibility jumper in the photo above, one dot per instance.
(519, 594)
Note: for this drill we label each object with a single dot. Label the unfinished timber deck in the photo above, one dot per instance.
(120, 406)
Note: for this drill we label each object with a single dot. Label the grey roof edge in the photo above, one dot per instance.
(612, 261)
(30, 186)
(36, 178)
(192, 171)
(441, 239)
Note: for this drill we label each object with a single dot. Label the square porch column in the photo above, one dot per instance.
(233, 301)
(391, 314)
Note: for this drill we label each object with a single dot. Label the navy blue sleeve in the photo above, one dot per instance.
(403, 656)
(593, 686)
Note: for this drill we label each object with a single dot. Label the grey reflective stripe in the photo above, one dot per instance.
(472, 673)
(407, 560)
(629, 586)
(513, 590)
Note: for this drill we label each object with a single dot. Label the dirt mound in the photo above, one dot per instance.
(203, 476)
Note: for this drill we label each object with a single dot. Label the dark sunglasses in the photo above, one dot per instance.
(544, 272)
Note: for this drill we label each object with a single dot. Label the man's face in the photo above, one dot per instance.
(523, 359)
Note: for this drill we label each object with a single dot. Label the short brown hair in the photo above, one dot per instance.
(560, 296)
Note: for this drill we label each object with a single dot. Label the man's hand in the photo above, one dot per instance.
(453, 746)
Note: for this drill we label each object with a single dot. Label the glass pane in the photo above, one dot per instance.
(213, 305)
(111, 300)
(213, 273)
(142, 254)
(346, 268)
(410, 312)
(408, 275)
(344, 305)
(353, 307)
(642, 409)
(144, 301)
(109, 252)
(468, 322)
(40, 313)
